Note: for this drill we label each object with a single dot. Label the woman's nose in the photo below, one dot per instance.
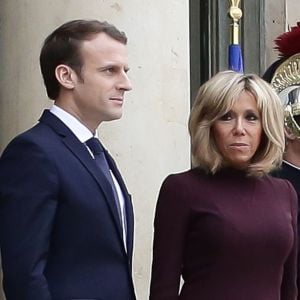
(239, 128)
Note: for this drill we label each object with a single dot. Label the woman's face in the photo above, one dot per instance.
(238, 133)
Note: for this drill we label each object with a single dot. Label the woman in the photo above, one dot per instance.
(226, 227)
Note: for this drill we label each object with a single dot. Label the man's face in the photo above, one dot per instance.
(99, 94)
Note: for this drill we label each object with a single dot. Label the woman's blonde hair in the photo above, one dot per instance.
(214, 99)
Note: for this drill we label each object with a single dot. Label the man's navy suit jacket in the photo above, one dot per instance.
(60, 233)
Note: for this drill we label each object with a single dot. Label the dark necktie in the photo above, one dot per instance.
(100, 159)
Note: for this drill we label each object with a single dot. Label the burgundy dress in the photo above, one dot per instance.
(229, 236)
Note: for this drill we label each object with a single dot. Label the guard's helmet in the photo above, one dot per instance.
(284, 76)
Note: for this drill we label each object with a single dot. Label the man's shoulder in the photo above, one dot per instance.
(38, 133)
(48, 130)
(39, 138)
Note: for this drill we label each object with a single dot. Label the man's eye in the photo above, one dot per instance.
(226, 117)
(110, 70)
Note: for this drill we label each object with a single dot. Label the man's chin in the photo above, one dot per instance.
(113, 117)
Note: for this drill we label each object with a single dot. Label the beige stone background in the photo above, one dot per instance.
(280, 16)
(151, 140)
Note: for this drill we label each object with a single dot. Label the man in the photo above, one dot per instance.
(66, 220)
(284, 76)
(290, 168)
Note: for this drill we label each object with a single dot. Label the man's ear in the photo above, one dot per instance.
(66, 76)
(289, 134)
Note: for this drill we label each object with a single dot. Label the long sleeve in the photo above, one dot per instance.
(289, 288)
(27, 208)
(170, 226)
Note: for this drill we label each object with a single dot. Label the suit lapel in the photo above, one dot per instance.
(81, 152)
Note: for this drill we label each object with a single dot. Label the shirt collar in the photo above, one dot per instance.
(80, 131)
(292, 165)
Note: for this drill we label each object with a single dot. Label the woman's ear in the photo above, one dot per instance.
(65, 76)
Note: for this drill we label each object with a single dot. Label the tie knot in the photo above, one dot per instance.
(94, 145)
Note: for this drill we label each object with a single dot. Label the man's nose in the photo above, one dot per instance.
(125, 83)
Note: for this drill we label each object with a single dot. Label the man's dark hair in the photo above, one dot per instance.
(63, 47)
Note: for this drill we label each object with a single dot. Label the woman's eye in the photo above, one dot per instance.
(251, 117)
(226, 117)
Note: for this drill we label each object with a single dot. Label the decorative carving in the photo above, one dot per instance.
(234, 11)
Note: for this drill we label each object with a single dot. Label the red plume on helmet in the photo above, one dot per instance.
(288, 43)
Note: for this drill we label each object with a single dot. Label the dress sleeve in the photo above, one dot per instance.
(289, 287)
(170, 227)
(28, 184)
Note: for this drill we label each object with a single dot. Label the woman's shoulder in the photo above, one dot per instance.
(182, 189)
(279, 183)
(189, 182)
(188, 176)
(281, 187)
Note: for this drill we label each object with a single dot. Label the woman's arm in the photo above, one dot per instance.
(170, 227)
(289, 287)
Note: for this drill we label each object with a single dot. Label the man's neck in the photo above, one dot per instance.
(292, 157)
(73, 110)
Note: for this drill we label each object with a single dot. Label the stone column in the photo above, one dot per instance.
(275, 16)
